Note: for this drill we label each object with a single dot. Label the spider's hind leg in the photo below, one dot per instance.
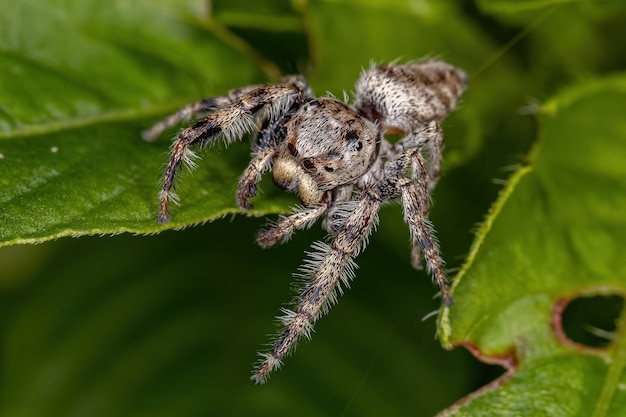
(425, 137)
(415, 198)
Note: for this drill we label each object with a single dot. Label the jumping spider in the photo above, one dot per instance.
(337, 159)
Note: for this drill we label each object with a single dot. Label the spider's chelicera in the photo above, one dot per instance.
(337, 159)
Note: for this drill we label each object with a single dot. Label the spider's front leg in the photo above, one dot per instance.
(324, 270)
(266, 149)
(232, 123)
(251, 177)
(199, 107)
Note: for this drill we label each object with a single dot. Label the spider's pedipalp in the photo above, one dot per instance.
(339, 210)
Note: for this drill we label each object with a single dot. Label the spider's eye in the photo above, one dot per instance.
(328, 169)
(292, 149)
(352, 136)
(308, 164)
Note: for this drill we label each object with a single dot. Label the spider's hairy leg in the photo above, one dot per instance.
(434, 149)
(232, 123)
(337, 212)
(247, 188)
(281, 231)
(199, 107)
(266, 148)
(414, 195)
(427, 136)
(325, 269)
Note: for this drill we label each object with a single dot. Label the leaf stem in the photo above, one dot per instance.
(239, 44)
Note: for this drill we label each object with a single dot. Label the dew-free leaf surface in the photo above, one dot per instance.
(557, 231)
(169, 324)
(74, 103)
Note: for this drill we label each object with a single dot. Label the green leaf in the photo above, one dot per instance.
(72, 160)
(557, 231)
(74, 103)
(169, 324)
(518, 7)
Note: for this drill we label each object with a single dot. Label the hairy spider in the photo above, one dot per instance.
(337, 159)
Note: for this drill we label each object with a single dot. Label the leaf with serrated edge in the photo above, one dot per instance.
(72, 159)
(557, 231)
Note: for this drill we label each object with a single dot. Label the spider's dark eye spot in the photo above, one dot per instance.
(328, 169)
(308, 164)
(292, 149)
(352, 136)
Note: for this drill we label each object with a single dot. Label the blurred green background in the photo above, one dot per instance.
(170, 324)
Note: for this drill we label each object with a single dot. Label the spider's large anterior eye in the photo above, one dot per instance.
(359, 146)
(328, 169)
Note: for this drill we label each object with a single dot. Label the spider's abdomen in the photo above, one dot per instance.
(399, 96)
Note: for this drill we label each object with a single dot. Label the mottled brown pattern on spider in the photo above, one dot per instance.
(337, 159)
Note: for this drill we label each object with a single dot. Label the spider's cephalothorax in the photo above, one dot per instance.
(338, 161)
